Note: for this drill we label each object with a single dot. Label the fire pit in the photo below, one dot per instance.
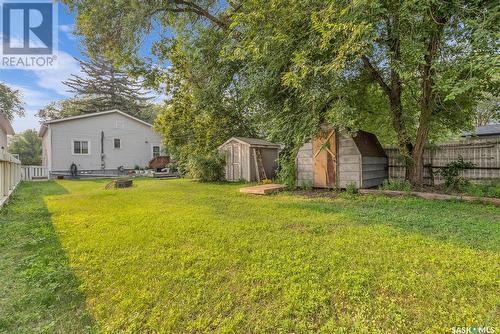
(120, 183)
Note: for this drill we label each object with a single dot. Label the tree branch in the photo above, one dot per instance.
(376, 75)
(182, 6)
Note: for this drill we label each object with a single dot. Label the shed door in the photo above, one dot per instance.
(325, 159)
(236, 161)
(233, 162)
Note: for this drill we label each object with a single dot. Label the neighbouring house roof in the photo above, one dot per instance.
(483, 131)
(252, 142)
(5, 124)
(44, 126)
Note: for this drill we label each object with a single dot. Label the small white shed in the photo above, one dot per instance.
(250, 159)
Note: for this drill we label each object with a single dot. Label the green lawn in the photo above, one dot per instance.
(175, 256)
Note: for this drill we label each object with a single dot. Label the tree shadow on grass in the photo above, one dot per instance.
(38, 290)
(466, 224)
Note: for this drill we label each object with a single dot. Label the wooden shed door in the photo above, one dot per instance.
(325, 159)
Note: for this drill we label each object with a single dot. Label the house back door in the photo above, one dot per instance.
(325, 159)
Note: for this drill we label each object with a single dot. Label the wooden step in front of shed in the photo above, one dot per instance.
(263, 189)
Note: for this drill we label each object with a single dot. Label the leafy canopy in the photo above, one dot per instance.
(409, 71)
(29, 147)
(10, 102)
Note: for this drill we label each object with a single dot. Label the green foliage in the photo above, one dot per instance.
(173, 166)
(206, 168)
(398, 185)
(408, 71)
(287, 172)
(483, 189)
(216, 260)
(451, 173)
(488, 110)
(103, 86)
(307, 185)
(10, 102)
(29, 147)
(351, 188)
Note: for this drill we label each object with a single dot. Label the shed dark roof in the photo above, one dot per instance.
(254, 142)
(368, 144)
(486, 130)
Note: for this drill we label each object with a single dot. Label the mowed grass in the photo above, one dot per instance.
(175, 256)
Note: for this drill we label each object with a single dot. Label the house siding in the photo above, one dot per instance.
(136, 138)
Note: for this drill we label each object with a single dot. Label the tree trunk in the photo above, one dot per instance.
(416, 170)
(393, 91)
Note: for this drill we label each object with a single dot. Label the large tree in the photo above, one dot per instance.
(403, 69)
(29, 147)
(10, 102)
(102, 86)
(430, 61)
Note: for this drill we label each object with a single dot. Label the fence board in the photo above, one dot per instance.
(30, 173)
(484, 153)
(10, 175)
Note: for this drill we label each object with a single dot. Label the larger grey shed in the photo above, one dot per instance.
(336, 159)
(250, 159)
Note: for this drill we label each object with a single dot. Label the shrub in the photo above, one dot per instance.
(206, 168)
(398, 185)
(451, 173)
(266, 181)
(286, 175)
(351, 188)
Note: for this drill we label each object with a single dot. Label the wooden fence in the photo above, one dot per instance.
(10, 175)
(30, 173)
(483, 153)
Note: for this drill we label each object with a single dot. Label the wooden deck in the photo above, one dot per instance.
(165, 175)
(263, 189)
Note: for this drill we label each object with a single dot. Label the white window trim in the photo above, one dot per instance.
(117, 148)
(153, 145)
(73, 146)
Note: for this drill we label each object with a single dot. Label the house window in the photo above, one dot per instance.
(156, 151)
(81, 147)
(117, 143)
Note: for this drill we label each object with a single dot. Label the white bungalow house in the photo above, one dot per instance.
(5, 130)
(102, 143)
